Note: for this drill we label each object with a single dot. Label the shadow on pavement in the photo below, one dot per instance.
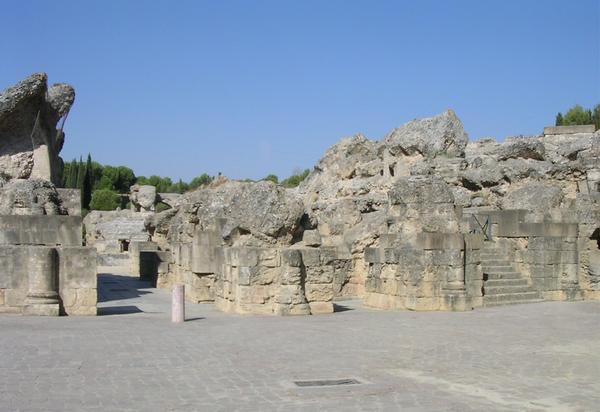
(118, 287)
(118, 310)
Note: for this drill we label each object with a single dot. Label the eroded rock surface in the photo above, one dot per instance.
(29, 140)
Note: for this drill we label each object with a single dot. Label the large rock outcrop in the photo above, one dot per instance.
(430, 137)
(29, 139)
(255, 214)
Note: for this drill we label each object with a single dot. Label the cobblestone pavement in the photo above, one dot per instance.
(542, 357)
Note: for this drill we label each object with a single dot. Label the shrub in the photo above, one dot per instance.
(105, 199)
(295, 179)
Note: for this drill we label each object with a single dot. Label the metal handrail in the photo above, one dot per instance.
(484, 228)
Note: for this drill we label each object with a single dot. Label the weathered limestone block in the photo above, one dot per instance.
(319, 292)
(77, 280)
(205, 256)
(42, 295)
(311, 238)
(291, 258)
(41, 230)
(594, 269)
(319, 274)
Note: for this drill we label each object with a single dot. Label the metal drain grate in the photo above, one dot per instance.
(328, 382)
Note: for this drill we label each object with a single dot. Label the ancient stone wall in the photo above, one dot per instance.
(397, 217)
(45, 270)
(65, 283)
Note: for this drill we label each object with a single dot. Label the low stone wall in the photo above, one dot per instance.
(275, 281)
(47, 281)
(588, 128)
(40, 230)
(438, 272)
(553, 255)
(77, 283)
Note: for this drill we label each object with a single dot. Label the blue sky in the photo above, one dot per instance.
(248, 88)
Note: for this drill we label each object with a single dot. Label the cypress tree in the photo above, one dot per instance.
(86, 191)
(559, 119)
(80, 174)
(71, 182)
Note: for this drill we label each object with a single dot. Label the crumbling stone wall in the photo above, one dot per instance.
(34, 283)
(45, 271)
(397, 215)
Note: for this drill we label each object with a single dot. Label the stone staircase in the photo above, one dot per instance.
(503, 284)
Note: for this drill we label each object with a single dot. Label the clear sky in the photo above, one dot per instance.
(248, 88)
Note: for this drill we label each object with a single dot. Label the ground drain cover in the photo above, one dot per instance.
(328, 382)
(119, 290)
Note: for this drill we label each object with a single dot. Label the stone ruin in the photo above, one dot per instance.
(422, 219)
(45, 268)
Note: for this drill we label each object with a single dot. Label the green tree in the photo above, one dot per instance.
(272, 178)
(198, 181)
(295, 179)
(596, 116)
(162, 184)
(80, 174)
(104, 199)
(118, 178)
(577, 115)
(71, 181)
(86, 190)
(96, 173)
(559, 119)
(179, 187)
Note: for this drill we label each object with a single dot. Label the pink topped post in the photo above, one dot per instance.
(178, 305)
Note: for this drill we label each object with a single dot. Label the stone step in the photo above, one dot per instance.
(510, 297)
(503, 275)
(497, 269)
(506, 282)
(494, 257)
(511, 302)
(505, 289)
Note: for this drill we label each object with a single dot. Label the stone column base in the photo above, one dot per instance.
(42, 304)
(43, 309)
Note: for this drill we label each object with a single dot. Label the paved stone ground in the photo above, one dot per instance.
(530, 357)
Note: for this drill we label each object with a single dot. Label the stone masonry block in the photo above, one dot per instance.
(452, 257)
(319, 274)
(311, 257)
(328, 254)
(291, 257)
(311, 238)
(319, 292)
(77, 268)
(372, 255)
(269, 258)
(291, 275)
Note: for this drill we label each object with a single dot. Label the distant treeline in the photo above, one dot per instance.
(104, 187)
(578, 115)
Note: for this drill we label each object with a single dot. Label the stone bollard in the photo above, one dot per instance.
(42, 297)
(178, 304)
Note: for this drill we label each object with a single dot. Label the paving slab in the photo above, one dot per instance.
(534, 357)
